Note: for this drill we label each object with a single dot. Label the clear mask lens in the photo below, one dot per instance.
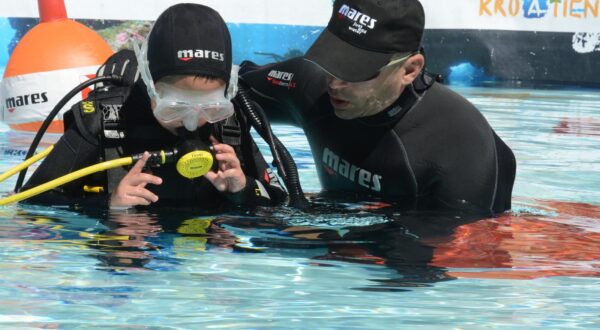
(173, 103)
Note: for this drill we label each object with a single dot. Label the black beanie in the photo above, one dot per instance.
(189, 39)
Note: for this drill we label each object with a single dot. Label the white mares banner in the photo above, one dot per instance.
(465, 40)
(507, 15)
(302, 12)
(514, 15)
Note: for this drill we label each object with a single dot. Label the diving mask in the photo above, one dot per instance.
(175, 105)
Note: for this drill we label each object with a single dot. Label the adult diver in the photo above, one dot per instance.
(379, 127)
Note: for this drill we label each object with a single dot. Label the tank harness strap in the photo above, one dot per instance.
(114, 175)
(229, 131)
(98, 119)
(110, 101)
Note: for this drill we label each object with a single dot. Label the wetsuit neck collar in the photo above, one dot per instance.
(396, 110)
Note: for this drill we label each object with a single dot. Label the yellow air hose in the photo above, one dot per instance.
(192, 164)
(65, 179)
(26, 163)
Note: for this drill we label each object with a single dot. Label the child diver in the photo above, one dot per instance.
(184, 102)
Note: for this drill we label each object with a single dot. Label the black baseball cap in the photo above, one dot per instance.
(189, 39)
(363, 35)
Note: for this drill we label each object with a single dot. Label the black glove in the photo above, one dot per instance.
(122, 63)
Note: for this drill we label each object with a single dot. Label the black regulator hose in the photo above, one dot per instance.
(54, 112)
(282, 158)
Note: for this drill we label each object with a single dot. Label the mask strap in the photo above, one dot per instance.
(232, 88)
(141, 53)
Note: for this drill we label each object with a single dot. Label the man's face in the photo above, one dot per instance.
(366, 98)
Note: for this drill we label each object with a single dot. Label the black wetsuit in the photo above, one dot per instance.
(143, 133)
(430, 150)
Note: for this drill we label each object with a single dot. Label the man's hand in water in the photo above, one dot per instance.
(229, 176)
(132, 188)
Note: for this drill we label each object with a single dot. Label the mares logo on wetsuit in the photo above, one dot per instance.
(188, 54)
(335, 164)
(360, 20)
(281, 78)
(22, 100)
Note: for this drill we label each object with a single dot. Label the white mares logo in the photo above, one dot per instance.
(360, 20)
(188, 54)
(281, 78)
(584, 43)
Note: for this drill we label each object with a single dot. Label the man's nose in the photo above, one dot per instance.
(335, 83)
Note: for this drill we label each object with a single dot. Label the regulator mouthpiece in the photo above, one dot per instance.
(192, 158)
(195, 164)
(195, 159)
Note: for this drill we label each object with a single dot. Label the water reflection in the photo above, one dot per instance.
(134, 241)
(558, 239)
(127, 243)
(397, 241)
(546, 239)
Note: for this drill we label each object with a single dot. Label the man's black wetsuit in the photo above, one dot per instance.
(143, 133)
(431, 150)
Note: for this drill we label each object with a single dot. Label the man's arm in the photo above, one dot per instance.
(479, 176)
(287, 90)
(455, 156)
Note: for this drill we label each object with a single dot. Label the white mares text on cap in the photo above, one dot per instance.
(188, 54)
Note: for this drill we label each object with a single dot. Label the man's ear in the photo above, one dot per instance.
(412, 68)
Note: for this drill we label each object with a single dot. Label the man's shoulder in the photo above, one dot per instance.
(445, 96)
(289, 73)
(249, 66)
(440, 103)
(446, 116)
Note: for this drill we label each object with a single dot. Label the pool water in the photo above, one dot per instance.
(347, 266)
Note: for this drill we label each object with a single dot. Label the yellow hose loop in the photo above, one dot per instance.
(26, 163)
(65, 179)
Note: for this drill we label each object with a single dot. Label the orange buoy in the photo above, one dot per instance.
(51, 59)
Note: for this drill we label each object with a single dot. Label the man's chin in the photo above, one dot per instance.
(341, 109)
(344, 114)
